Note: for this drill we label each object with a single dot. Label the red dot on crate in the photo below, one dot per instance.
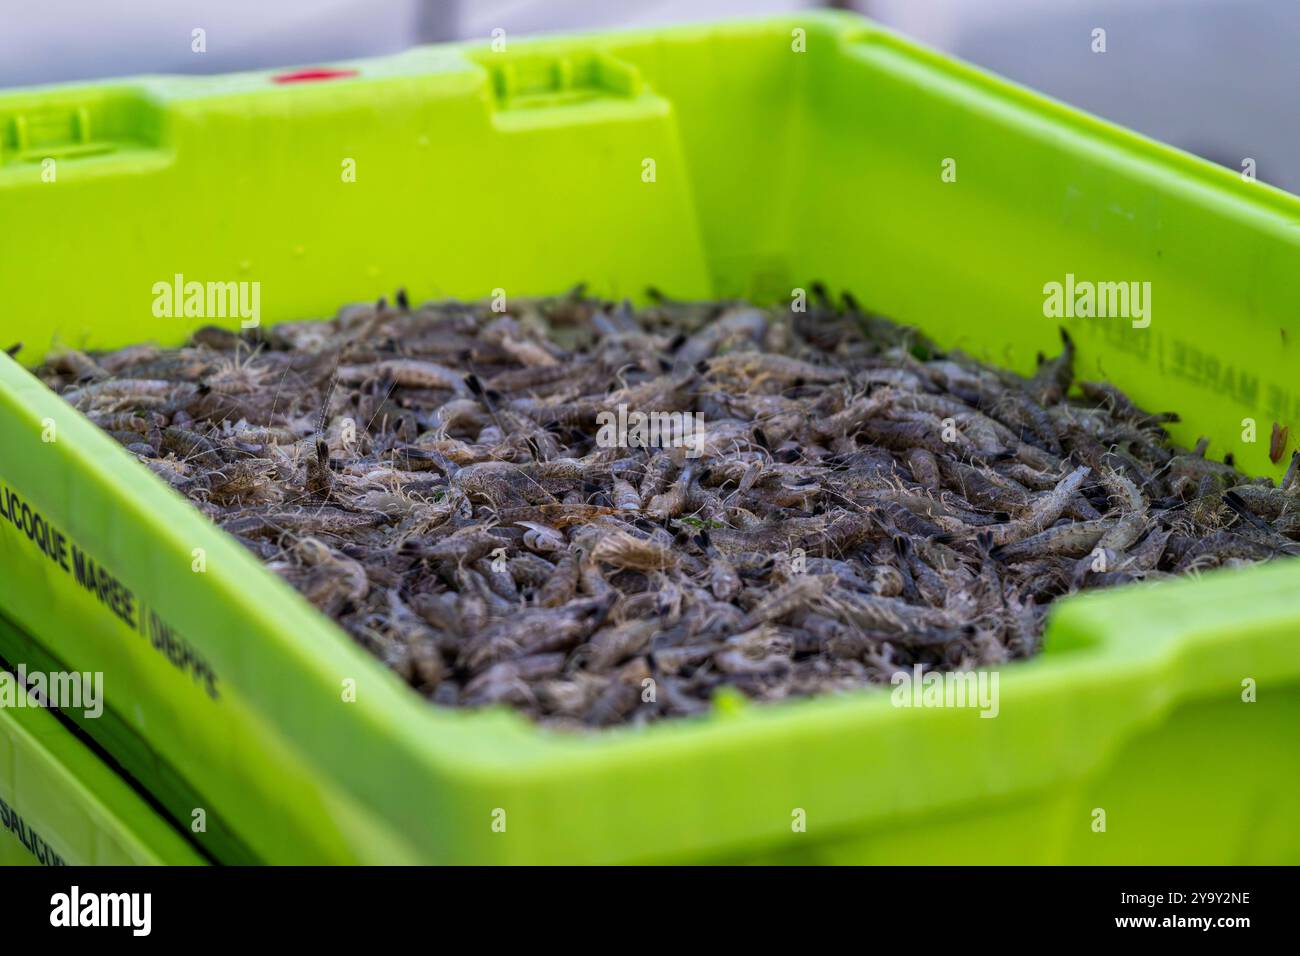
(311, 75)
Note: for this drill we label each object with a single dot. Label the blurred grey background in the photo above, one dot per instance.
(1216, 77)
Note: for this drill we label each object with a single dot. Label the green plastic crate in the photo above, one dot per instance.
(782, 151)
(61, 805)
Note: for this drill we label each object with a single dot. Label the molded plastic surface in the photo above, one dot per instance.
(60, 805)
(529, 170)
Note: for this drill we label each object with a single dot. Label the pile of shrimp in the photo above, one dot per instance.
(836, 500)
